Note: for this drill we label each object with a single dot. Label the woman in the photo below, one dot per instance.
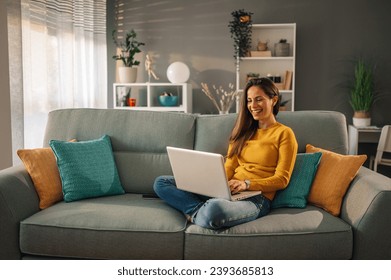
(261, 156)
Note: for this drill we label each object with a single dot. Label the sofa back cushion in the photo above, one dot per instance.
(213, 132)
(323, 129)
(138, 138)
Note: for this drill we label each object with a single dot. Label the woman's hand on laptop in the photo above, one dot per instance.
(237, 186)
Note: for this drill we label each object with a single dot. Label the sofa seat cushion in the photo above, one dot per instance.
(114, 227)
(286, 233)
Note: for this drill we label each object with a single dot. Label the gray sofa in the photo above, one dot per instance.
(133, 226)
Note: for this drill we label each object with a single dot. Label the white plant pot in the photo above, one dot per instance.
(361, 122)
(127, 74)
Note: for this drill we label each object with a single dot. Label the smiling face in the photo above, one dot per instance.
(260, 105)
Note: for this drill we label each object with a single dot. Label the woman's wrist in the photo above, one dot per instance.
(247, 183)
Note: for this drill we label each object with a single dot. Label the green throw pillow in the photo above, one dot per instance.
(87, 168)
(296, 193)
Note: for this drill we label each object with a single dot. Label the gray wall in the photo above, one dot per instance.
(5, 103)
(330, 34)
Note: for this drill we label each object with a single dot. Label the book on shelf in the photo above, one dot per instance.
(288, 80)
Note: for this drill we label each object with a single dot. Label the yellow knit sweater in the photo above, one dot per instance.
(267, 160)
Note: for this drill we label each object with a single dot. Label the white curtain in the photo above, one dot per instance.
(64, 60)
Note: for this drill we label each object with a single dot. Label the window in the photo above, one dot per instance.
(64, 60)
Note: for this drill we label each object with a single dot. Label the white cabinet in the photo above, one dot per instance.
(145, 96)
(276, 66)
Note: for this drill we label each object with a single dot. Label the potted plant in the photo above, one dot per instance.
(128, 49)
(362, 94)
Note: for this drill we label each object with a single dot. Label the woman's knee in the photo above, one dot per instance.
(210, 215)
(162, 182)
(220, 213)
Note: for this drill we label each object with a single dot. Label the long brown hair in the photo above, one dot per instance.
(245, 126)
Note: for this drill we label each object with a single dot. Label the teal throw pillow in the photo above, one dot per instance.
(87, 168)
(296, 193)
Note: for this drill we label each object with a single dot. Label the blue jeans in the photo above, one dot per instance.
(212, 213)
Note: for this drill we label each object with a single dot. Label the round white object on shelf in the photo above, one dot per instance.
(178, 72)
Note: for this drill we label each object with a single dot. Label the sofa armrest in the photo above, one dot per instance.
(367, 208)
(18, 200)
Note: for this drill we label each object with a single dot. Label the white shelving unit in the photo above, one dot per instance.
(146, 95)
(276, 66)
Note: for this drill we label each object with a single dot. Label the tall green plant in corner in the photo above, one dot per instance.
(362, 94)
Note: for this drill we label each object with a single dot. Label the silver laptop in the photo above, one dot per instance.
(202, 173)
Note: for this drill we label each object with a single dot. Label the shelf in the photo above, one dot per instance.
(273, 65)
(151, 84)
(146, 96)
(274, 25)
(268, 58)
(154, 108)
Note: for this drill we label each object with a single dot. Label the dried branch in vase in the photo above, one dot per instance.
(221, 98)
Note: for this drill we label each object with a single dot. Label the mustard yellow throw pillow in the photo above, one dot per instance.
(41, 165)
(332, 180)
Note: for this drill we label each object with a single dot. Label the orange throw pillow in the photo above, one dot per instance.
(42, 168)
(332, 180)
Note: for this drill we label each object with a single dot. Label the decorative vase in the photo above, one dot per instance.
(127, 74)
(361, 119)
(262, 46)
(281, 49)
(223, 112)
(131, 102)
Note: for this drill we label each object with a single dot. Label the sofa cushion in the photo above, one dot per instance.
(285, 233)
(323, 129)
(296, 193)
(213, 132)
(335, 172)
(87, 168)
(138, 138)
(112, 227)
(41, 165)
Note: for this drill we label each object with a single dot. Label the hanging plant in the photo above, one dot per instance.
(241, 28)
